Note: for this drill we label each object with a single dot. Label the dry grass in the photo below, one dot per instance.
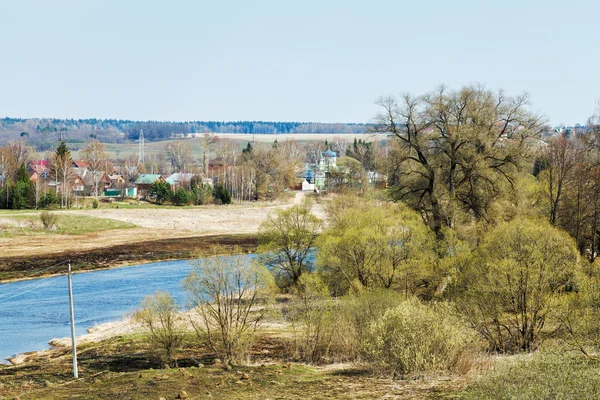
(124, 368)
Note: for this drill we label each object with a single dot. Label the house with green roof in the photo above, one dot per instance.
(144, 181)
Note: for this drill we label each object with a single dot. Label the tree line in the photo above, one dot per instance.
(45, 133)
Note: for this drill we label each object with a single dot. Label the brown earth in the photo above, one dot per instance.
(161, 233)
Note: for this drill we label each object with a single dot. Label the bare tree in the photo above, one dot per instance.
(206, 141)
(94, 154)
(559, 160)
(314, 152)
(180, 155)
(340, 145)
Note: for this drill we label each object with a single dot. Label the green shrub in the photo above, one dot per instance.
(48, 219)
(417, 337)
(539, 376)
(95, 204)
(362, 309)
(180, 197)
(49, 200)
(222, 195)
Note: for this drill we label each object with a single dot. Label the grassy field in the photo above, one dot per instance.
(539, 376)
(124, 368)
(28, 223)
(123, 151)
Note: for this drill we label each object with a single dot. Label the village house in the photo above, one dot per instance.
(144, 181)
(179, 179)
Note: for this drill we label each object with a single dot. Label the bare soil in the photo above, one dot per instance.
(162, 233)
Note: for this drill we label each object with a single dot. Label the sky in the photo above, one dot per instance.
(303, 60)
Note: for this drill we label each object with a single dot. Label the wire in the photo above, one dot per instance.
(45, 282)
(4, 295)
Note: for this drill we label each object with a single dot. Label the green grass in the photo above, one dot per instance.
(539, 376)
(27, 224)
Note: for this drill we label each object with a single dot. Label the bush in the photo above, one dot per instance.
(417, 337)
(180, 197)
(226, 293)
(221, 194)
(328, 330)
(516, 282)
(313, 316)
(49, 200)
(48, 219)
(160, 316)
(95, 204)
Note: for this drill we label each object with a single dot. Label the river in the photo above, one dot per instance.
(33, 312)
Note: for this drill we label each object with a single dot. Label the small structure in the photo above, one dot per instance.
(179, 179)
(116, 180)
(144, 181)
(78, 186)
(307, 186)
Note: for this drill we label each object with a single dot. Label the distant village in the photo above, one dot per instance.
(253, 173)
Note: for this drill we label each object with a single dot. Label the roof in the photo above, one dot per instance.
(329, 153)
(81, 164)
(147, 179)
(178, 177)
(44, 163)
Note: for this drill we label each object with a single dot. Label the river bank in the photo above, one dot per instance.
(43, 265)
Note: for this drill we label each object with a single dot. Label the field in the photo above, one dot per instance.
(123, 151)
(123, 368)
(122, 233)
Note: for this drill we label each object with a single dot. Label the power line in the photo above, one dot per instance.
(45, 282)
(4, 295)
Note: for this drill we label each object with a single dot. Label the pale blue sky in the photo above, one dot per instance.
(289, 60)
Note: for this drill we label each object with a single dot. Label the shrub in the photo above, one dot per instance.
(226, 292)
(516, 281)
(180, 197)
(48, 219)
(160, 316)
(95, 204)
(313, 317)
(417, 337)
(221, 194)
(49, 200)
(332, 330)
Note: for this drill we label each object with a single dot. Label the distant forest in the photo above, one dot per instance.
(44, 132)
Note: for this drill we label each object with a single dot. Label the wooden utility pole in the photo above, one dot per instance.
(74, 348)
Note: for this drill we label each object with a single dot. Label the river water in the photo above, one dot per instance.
(35, 311)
